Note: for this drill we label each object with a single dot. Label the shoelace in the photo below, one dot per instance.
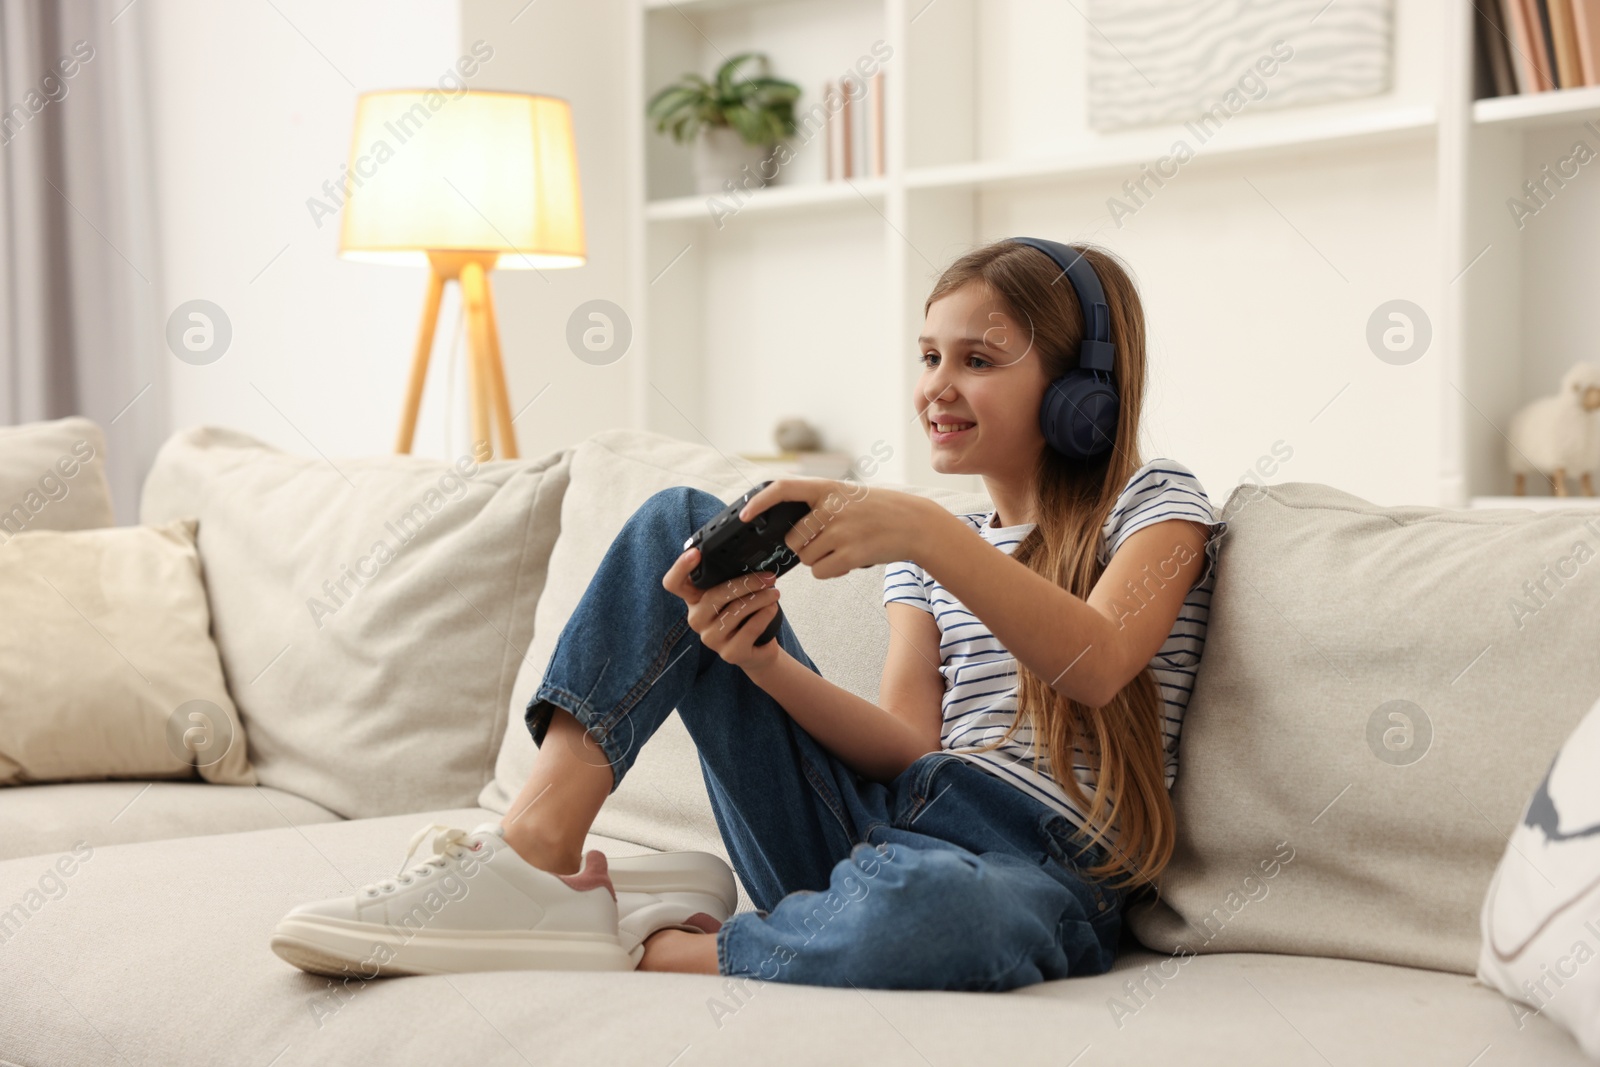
(447, 844)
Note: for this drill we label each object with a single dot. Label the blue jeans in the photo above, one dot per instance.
(946, 877)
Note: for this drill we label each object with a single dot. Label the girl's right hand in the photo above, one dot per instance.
(728, 617)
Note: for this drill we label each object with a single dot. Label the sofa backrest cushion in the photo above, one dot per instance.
(53, 477)
(1380, 691)
(662, 802)
(370, 613)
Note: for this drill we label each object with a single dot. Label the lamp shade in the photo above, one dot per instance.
(470, 171)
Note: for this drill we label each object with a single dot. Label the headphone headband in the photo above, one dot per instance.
(1097, 351)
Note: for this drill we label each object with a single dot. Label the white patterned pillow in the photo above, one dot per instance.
(1541, 917)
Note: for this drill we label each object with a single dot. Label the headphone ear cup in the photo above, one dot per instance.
(1078, 416)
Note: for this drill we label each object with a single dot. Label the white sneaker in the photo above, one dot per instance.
(476, 905)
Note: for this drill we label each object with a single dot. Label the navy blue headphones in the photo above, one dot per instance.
(1079, 414)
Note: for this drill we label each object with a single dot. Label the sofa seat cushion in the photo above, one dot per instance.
(40, 819)
(158, 953)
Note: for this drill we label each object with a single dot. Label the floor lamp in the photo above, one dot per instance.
(463, 182)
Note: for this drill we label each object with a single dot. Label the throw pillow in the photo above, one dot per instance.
(107, 669)
(1541, 916)
(371, 613)
(52, 477)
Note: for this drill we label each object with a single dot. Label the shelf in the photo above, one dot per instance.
(1535, 503)
(692, 9)
(687, 6)
(773, 198)
(1389, 124)
(835, 465)
(1555, 107)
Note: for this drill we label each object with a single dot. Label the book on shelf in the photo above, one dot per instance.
(1568, 73)
(831, 153)
(847, 157)
(1530, 46)
(854, 133)
(1542, 40)
(875, 161)
(1494, 58)
(1586, 29)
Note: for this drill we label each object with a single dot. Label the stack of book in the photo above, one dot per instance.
(854, 132)
(1528, 46)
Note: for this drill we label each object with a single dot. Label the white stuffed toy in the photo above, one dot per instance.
(1541, 917)
(1559, 435)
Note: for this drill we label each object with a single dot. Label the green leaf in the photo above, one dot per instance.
(745, 121)
(729, 70)
(671, 100)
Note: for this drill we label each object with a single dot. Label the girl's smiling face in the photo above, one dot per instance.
(981, 376)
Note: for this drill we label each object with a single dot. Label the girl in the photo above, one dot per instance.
(981, 825)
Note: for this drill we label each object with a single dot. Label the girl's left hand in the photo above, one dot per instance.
(850, 525)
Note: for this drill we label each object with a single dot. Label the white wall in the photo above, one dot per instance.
(572, 49)
(252, 111)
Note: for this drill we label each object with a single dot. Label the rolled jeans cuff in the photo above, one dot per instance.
(538, 718)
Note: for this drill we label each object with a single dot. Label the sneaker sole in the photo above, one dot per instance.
(341, 949)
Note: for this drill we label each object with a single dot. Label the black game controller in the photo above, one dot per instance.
(730, 548)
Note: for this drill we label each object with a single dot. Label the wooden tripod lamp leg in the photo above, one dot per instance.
(419, 362)
(472, 289)
(497, 378)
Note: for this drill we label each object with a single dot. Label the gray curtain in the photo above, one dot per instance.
(80, 323)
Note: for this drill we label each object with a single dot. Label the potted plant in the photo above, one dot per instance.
(734, 122)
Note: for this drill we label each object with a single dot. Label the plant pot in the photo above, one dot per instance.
(720, 154)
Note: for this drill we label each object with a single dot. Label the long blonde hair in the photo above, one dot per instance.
(1130, 813)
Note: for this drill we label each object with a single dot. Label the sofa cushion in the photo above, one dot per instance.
(37, 819)
(1541, 916)
(158, 953)
(107, 669)
(371, 613)
(1381, 690)
(663, 801)
(53, 477)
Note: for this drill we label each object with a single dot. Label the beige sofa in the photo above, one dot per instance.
(1322, 907)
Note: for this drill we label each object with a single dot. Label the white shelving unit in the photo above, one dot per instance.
(1521, 307)
(1259, 267)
